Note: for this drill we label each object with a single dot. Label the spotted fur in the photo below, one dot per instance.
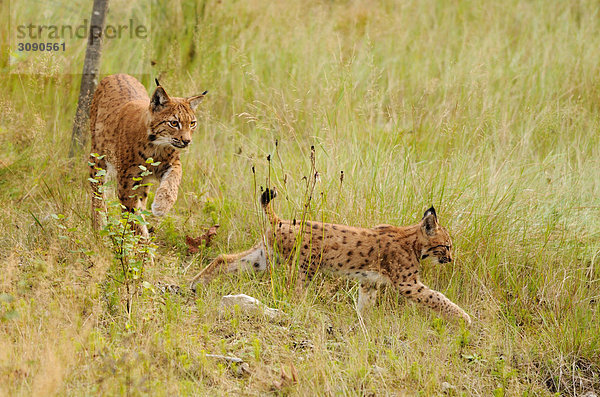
(383, 255)
(127, 128)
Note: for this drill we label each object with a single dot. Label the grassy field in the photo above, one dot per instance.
(487, 110)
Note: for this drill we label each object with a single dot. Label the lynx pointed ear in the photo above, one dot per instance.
(430, 211)
(194, 101)
(430, 222)
(159, 99)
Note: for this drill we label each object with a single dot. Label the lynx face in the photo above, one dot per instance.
(172, 120)
(439, 244)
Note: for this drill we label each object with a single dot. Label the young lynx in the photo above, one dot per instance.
(127, 128)
(383, 255)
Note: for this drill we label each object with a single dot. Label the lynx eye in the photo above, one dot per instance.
(174, 123)
(193, 124)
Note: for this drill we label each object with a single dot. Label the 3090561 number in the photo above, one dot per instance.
(41, 46)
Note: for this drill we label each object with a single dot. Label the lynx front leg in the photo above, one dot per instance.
(253, 259)
(433, 299)
(166, 194)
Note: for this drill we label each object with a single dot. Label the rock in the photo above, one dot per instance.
(241, 367)
(250, 305)
(446, 387)
(166, 288)
(303, 345)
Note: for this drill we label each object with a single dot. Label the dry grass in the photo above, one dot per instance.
(489, 111)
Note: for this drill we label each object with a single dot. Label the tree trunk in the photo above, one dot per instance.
(89, 77)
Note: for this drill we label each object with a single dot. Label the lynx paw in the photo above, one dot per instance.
(158, 210)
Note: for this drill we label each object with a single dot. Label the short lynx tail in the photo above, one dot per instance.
(265, 201)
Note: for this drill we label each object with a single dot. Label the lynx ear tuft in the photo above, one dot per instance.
(159, 99)
(430, 222)
(430, 211)
(194, 101)
(157, 83)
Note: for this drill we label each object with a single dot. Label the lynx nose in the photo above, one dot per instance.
(185, 142)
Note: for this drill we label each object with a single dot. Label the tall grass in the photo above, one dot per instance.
(487, 110)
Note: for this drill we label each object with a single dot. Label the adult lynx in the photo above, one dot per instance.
(127, 128)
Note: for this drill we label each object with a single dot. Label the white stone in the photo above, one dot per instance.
(447, 386)
(250, 305)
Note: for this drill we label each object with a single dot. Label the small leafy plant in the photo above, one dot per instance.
(131, 251)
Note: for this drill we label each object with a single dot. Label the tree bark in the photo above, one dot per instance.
(89, 76)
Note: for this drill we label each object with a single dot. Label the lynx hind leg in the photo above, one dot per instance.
(366, 296)
(133, 197)
(254, 259)
(132, 204)
(98, 169)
